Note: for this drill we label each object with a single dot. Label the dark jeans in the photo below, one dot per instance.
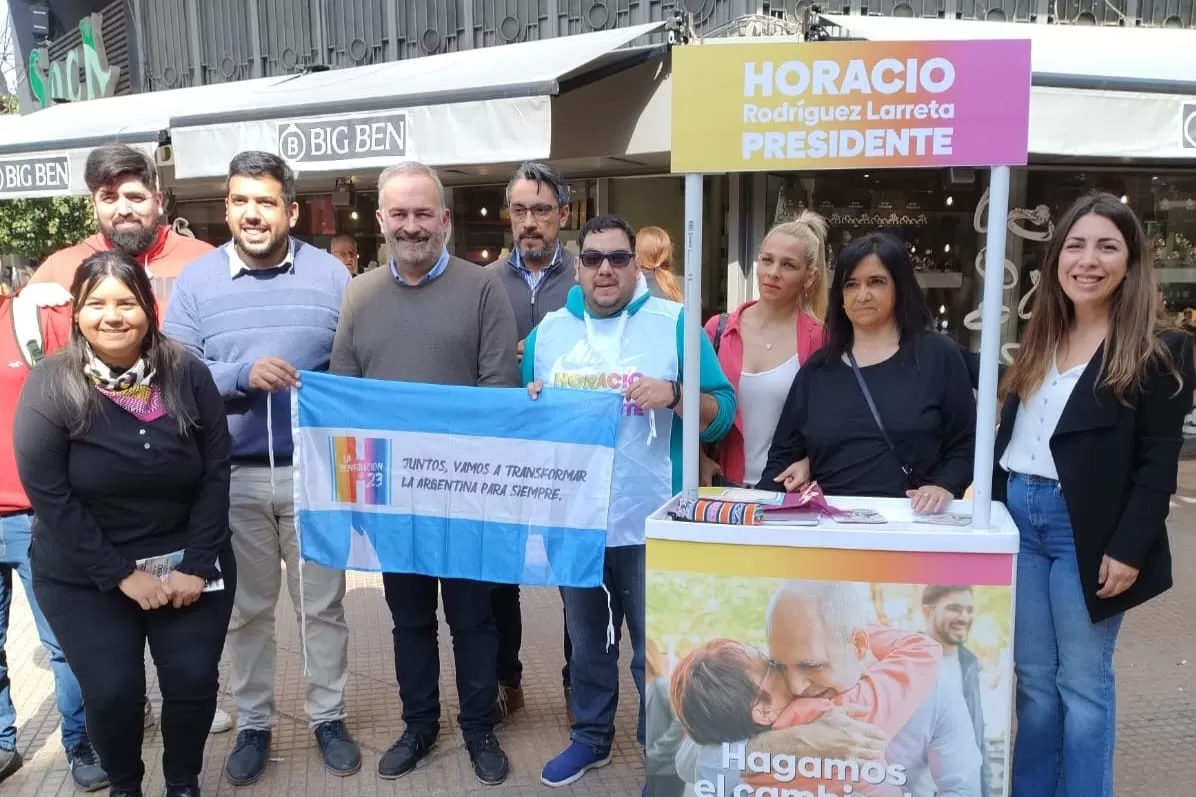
(565, 677)
(508, 621)
(104, 634)
(594, 664)
(412, 601)
(508, 618)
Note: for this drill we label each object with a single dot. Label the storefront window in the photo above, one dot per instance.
(931, 211)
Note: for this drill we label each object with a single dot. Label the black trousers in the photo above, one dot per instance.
(103, 636)
(412, 600)
(508, 619)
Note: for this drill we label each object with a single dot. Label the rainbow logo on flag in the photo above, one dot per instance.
(361, 470)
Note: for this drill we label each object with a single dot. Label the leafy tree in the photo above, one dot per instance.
(33, 228)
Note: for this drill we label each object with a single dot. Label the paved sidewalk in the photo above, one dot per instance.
(1156, 669)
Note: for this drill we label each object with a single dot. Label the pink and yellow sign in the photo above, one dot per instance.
(850, 105)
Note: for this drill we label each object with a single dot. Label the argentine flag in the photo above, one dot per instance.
(455, 482)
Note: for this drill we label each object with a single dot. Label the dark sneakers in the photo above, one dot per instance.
(10, 762)
(190, 790)
(249, 757)
(411, 748)
(510, 700)
(85, 767)
(490, 763)
(341, 755)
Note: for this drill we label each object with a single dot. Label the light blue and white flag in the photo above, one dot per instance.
(455, 482)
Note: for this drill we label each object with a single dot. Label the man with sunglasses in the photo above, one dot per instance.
(537, 276)
(614, 335)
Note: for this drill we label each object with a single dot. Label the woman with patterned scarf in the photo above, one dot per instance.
(122, 446)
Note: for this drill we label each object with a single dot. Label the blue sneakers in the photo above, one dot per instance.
(569, 766)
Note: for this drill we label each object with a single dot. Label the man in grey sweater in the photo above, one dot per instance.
(537, 276)
(428, 317)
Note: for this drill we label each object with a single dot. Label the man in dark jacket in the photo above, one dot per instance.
(949, 611)
(537, 276)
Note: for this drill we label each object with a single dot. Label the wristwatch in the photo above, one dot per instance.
(676, 396)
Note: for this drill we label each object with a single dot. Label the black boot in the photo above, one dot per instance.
(189, 790)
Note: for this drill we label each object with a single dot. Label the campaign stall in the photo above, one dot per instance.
(889, 582)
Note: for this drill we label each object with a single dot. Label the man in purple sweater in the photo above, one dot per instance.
(257, 311)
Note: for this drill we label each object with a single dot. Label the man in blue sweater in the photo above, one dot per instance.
(614, 335)
(258, 310)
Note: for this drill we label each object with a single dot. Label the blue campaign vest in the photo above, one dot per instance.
(611, 354)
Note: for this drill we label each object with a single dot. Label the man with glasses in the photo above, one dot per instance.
(537, 276)
(612, 327)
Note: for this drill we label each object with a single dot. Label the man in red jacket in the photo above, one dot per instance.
(36, 321)
(123, 184)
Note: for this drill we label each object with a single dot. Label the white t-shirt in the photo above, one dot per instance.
(1029, 450)
(761, 398)
(951, 673)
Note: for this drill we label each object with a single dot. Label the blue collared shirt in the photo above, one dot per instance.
(532, 278)
(437, 270)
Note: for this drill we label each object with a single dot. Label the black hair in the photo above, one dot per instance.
(602, 224)
(910, 311)
(541, 174)
(936, 592)
(107, 163)
(163, 355)
(254, 163)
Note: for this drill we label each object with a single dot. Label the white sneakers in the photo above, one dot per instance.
(221, 723)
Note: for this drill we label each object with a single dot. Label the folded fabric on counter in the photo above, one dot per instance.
(706, 510)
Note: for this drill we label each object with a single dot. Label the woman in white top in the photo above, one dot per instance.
(1087, 455)
(762, 343)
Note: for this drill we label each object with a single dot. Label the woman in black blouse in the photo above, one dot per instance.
(122, 445)
(878, 320)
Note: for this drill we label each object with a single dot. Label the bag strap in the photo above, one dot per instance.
(27, 326)
(718, 332)
(859, 377)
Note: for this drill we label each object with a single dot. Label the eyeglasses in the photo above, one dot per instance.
(591, 258)
(541, 212)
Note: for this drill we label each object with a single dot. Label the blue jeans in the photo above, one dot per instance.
(15, 534)
(594, 665)
(1066, 700)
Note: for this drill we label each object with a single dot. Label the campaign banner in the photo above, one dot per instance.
(455, 482)
(822, 672)
(850, 104)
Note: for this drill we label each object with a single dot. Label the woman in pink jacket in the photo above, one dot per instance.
(763, 342)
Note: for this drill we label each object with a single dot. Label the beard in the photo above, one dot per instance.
(270, 245)
(132, 240)
(416, 251)
(536, 249)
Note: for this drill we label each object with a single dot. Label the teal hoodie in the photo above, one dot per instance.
(713, 381)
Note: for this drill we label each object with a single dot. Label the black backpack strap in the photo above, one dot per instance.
(718, 332)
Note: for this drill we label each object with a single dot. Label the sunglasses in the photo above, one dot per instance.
(617, 259)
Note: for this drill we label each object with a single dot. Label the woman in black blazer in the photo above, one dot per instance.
(1088, 454)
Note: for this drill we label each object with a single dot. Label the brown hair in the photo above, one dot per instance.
(810, 229)
(1134, 318)
(654, 253)
(713, 692)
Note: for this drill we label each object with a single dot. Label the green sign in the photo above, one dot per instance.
(81, 74)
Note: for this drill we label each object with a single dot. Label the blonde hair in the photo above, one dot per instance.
(1132, 343)
(654, 253)
(810, 229)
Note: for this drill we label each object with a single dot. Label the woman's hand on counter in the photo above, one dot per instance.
(707, 470)
(929, 499)
(796, 476)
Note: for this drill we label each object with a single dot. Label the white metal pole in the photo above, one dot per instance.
(990, 347)
(691, 368)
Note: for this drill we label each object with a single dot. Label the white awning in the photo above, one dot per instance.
(489, 105)
(1098, 92)
(43, 153)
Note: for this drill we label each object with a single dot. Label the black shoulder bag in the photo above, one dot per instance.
(911, 478)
